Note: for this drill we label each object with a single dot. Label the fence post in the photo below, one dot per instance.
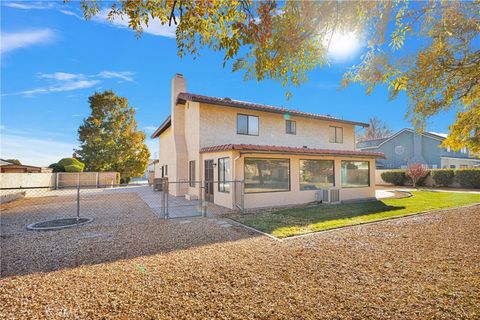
(242, 193)
(204, 197)
(78, 202)
(56, 179)
(98, 179)
(165, 195)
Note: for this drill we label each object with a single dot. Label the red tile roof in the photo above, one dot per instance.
(291, 150)
(184, 96)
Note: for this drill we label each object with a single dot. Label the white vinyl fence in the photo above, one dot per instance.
(58, 180)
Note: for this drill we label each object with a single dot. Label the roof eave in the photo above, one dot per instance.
(291, 112)
(307, 152)
(313, 154)
(164, 126)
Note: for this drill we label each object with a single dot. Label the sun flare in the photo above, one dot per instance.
(343, 45)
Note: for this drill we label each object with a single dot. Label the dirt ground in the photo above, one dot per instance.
(426, 266)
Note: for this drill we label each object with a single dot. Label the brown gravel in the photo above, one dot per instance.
(425, 266)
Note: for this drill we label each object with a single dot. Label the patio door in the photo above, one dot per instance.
(209, 180)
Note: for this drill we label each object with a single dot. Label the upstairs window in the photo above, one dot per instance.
(336, 134)
(291, 127)
(247, 124)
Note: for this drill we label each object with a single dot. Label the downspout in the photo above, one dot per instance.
(235, 164)
(235, 173)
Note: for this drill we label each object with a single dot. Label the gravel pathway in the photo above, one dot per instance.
(426, 266)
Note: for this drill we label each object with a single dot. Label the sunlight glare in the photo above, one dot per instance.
(343, 45)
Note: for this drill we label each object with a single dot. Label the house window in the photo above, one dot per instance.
(315, 174)
(191, 173)
(224, 175)
(336, 134)
(291, 127)
(355, 174)
(452, 166)
(247, 124)
(166, 170)
(266, 175)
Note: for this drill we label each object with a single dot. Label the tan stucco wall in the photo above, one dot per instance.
(192, 129)
(219, 126)
(295, 195)
(220, 198)
(196, 125)
(166, 155)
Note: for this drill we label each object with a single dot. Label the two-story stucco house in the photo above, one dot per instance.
(408, 146)
(283, 156)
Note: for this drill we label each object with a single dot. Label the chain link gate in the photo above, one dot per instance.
(182, 199)
(185, 199)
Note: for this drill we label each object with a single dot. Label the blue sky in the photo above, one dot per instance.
(52, 61)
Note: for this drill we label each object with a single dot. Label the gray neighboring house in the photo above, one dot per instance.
(407, 147)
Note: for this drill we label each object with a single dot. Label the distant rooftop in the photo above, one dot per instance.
(377, 142)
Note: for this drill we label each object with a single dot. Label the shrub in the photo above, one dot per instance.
(469, 178)
(443, 177)
(73, 168)
(421, 182)
(396, 177)
(72, 161)
(56, 167)
(416, 172)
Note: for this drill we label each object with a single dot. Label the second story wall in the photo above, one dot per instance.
(218, 125)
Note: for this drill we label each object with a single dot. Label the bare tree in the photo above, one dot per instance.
(377, 130)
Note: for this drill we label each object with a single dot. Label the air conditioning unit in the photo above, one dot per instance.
(334, 195)
(327, 196)
(322, 196)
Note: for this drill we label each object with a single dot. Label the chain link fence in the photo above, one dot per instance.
(173, 199)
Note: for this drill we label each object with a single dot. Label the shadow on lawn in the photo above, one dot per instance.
(327, 216)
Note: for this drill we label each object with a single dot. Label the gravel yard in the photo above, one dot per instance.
(124, 228)
(425, 266)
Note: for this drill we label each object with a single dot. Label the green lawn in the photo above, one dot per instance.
(298, 221)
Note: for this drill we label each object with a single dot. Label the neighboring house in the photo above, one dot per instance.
(8, 167)
(407, 147)
(283, 156)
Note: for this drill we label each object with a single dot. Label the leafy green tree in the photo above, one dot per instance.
(109, 138)
(429, 50)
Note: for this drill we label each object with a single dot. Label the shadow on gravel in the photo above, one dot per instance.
(124, 227)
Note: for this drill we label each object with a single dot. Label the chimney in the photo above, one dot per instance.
(178, 85)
